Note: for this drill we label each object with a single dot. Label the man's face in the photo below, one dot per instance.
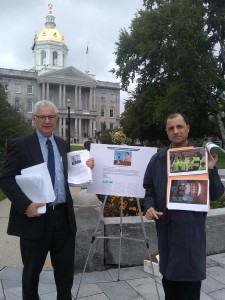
(177, 131)
(45, 120)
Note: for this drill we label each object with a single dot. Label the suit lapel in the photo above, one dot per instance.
(35, 149)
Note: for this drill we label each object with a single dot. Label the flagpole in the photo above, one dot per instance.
(87, 53)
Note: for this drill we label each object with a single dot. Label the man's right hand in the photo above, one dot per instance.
(31, 211)
(152, 214)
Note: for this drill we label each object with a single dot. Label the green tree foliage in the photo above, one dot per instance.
(170, 56)
(12, 124)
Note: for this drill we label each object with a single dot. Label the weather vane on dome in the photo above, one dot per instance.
(50, 6)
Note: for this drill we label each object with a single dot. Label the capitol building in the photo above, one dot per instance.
(94, 104)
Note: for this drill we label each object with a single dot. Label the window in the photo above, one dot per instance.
(111, 126)
(17, 105)
(54, 58)
(43, 57)
(111, 112)
(29, 106)
(102, 111)
(18, 88)
(103, 126)
(30, 89)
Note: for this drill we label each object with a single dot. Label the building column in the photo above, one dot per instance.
(47, 91)
(79, 135)
(75, 129)
(64, 96)
(43, 91)
(60, 96)
(60, 127)
(90, 103)
(64, 127)
(75, 99)
(90, 128)
(79, 98)
(94, 100)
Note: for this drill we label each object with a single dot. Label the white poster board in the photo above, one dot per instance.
(119, 169)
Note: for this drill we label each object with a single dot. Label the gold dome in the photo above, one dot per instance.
(49, 32)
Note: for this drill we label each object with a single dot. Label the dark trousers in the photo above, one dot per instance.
(181, 290)
(60, 241)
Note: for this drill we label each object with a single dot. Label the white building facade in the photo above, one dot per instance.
(95, 105)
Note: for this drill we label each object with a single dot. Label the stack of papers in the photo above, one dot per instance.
(35, 182)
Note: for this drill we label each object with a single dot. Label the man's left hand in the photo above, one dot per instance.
(90, 163)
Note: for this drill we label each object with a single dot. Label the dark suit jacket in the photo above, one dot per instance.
(25, 152)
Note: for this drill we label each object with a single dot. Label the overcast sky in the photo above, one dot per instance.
(93, 22)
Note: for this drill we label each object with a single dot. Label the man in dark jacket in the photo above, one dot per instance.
(181, 234)
(53, 231)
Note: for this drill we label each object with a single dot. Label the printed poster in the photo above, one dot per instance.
(119, 169)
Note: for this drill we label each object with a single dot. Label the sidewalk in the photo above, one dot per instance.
(134, 283)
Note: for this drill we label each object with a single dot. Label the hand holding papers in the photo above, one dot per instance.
(79, 174)
(36, 184)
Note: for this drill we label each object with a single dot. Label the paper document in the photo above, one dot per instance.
(79, 174)
(210, 145)
(36, 184)
(119, 169)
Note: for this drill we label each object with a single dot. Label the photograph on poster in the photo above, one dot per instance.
(122, 158)
(185, 161)
(188, 195)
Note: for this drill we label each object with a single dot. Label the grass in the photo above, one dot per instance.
(76, 147)
(2, 195)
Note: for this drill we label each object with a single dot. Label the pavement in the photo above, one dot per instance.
(133, 283)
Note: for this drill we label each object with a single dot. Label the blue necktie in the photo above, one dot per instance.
(51, 161)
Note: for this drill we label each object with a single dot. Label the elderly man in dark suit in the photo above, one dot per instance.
(53, 231)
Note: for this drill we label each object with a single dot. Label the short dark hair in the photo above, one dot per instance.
(174, 115)
(87, 145)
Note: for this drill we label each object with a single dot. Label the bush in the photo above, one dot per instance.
(113, 203)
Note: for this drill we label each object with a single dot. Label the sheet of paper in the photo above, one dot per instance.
(210, 145)
(47, 188)
(32, 186)
(79, 174)
(119, 169)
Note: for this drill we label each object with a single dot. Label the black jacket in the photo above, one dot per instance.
(25, 152)
(181, 234)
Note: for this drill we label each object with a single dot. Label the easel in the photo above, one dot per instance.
(120, 242)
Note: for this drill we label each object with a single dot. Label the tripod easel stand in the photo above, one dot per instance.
(120, 237)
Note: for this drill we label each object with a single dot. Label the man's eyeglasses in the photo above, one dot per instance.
(43, 118)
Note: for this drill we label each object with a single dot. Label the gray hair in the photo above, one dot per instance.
(44, 103)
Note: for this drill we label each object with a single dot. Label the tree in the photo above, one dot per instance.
(168, 53)
(12, 124)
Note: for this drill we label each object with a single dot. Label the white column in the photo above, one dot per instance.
(60, 127)
(64, 127)
(90, 128)
(80, 136)
(79, 98)
(60, 96)
(90, 100)
(75, 98)
(43, 91)
(64, 96)
(47, 91)
(75, 128)
(94, 101)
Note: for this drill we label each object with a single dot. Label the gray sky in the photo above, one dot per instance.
(93, 22)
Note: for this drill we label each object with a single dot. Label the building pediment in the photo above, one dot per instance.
(69, 76)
